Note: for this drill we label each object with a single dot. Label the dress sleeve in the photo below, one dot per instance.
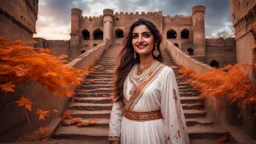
(173, 116)
(115, 121)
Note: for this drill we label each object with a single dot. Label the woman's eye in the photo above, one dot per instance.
(146, 35)
(134, 36)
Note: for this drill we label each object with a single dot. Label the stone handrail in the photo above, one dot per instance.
(186, 61)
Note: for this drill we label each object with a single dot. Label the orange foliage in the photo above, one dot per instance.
(25, 102)
(42, 130)
(21, 63)
(42, 114)
(67, 115)
(7, 87)
(230, 81)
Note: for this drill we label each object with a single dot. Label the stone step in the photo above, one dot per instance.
(90, 106)
(90, 114)
(92, 76)
(197, 106)
(98, 82)
(82, 133)
(189, 90)
(100, 100)
(199, 121)
(101, 90)
(182, 94)
(93, 94)
(95, 86)
(211, 132)
(100, 122)
(194, 113)
(191, 100)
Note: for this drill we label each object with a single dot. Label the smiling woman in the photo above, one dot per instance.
(146, 107)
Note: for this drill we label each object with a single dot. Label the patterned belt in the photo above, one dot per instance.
(143, 116)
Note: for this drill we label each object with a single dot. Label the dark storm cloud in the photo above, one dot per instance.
(60, 10)
(217, 14)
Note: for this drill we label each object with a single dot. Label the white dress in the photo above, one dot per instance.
(161, 93)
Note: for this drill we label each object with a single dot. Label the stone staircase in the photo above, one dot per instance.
(95, 104)
(201, 127)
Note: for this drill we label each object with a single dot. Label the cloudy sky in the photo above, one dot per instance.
(54, 15)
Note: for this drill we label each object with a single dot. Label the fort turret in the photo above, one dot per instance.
(198, 29)
(108, 24)
(76, 15)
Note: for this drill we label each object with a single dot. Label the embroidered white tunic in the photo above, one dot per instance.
(160, 94)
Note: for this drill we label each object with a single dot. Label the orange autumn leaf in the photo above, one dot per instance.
(42, 114)
(63, 56)
(55, 110)
(8, 87)
(67, 115)
(43, 50)
(92, 122)
(91, 80)
(222, 139)
(25, 102)
(42, 130)
(84, 124)
(91, 69)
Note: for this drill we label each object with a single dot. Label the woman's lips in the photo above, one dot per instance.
(141, 46)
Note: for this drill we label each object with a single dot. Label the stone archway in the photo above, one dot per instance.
(184, 34)
(119, 33)
(215, 64)
(86, 34)
(98, 34)
(171, 34)
(190, 51)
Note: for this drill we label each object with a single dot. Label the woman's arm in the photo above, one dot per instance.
(174, 120)
(115, 122)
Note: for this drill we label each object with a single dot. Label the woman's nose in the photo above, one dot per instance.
(140, 39)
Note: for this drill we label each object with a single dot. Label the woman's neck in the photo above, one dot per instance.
(146, 60)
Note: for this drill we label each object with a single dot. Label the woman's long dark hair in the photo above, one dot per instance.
(126, 56)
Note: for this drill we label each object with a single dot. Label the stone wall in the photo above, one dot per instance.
(244, 18)
(18, 19)
(223, 51)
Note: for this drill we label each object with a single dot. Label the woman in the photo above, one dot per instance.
(147, 107)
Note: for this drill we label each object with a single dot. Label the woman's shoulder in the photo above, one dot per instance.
(166, 69)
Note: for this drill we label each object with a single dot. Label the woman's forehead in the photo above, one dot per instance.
(140, 29)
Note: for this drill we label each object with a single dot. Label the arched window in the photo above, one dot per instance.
(190, 51)
(119, 33)
(177, 45)
(86, 34)
(215, 64)
(185, 34)
(171, 34)
(98, 34)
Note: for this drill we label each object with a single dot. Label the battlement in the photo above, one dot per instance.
(198, 8)
(138, 14)
(108, 12)
(76, 11)
(92, 18)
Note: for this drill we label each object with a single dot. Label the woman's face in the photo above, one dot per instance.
(142, 40)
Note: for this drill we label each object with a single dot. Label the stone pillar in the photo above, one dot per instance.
(76, 14)
(198, 30)
(108, 25)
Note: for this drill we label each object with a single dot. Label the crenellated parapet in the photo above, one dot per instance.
(76, 11)
(138, 14)
(198, 8)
